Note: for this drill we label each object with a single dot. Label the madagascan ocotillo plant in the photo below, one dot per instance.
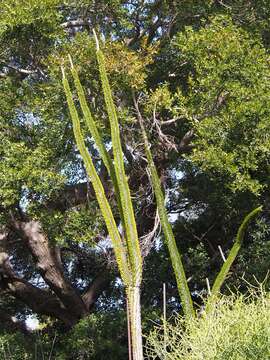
(126, 246)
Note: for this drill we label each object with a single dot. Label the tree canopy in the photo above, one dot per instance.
(199, 74)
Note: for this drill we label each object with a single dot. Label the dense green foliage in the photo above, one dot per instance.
(236, 329)
(199, 71)
(226, 99)
(90, 339)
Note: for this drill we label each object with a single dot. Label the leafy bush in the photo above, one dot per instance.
(236, 329)
(95, 337)
(12, 347)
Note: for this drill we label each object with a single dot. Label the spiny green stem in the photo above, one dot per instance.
(90, 122)
(167, 229)
(129, 218)
(231, 257)
(120, 251)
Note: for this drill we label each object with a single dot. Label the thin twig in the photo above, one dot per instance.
(53, 343)
(208, 286)
(221, 253)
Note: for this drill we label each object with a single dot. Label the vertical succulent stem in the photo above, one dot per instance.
(120, 251)
(90, 122)
(128, 328)
(133, 245)
(133, 295)
(127, 250)
(221, 277)
(166, 227)
(129, 218)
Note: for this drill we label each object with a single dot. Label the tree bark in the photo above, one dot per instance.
(40, 301)
(48, 265)
(97, 286)
(71, 196)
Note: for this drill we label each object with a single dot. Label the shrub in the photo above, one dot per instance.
(237, 328)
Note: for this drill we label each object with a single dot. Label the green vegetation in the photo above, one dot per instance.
(237, 328)
(221, 277)
(127, 251)
(194, 75)
(126, 246)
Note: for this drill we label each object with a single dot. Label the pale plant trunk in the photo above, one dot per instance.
(134, 303)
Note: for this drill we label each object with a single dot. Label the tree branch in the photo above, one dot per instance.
(20, 70)
(78, 194)
(95, 289)
(17, 69)
(151, 31)
(48, 265)
(71, 196)
(185, 145)
(75, 23)
(40, 301)
(220, 101)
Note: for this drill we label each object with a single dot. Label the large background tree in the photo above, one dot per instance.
(200, 74)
